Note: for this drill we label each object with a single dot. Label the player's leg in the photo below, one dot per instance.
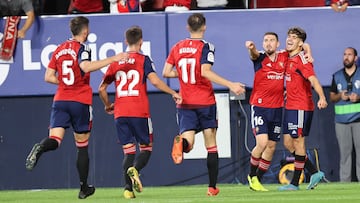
(299, 144)
(81, 116)
(82, 164)
(261, 143)
(188, 123)
(127, 140)
(208, 124)
(143, 132)
(293, 140)
(129, 151)
(59, 121)
(212, 160)
(274, 119)
(266, 158)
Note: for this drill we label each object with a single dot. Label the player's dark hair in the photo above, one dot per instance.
(77, 24)
(299, 32)
(355, 52)
(272, 33)
(196, 21)
(133, 35)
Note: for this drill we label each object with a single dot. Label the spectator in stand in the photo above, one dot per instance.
(125, 6)
(177, 5)
(211, 4)
(17, 8)
(85, 6)
(341, 5)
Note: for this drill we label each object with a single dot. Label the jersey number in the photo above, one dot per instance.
(258, 120)
(123, 78)
(68, 71)
(183, 64)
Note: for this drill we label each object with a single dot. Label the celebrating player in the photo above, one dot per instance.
(131, 109)
(193, 59)
(70, 68)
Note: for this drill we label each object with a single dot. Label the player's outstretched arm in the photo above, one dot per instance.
(236, 87)
(253, 52)
(90, 66)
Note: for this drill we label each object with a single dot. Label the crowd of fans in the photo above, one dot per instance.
(54, 7)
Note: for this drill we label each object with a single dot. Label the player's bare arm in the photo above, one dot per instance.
(253, 52)
(236, 87)
(322, 103)
(169, 71)
(90, 66)
(158, 83)
(50, 76)
(109, 107)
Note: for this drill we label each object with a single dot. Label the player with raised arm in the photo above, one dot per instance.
(267, 101)
(69, 69)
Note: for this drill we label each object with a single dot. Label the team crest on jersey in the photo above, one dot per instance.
(281, 64)
(211, 57)
(84, 55)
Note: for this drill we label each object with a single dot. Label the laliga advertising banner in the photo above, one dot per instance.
(24, 73)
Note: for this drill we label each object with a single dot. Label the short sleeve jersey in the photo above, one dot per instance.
(268, 88)
(131, 99)
(187, 56)
(73, 82)
(298, 87)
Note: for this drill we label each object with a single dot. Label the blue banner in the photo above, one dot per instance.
(329, 33)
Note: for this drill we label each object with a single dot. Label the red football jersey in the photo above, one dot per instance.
(187, 56)
(131, 99)
(268, 88)
(298, 87)
(186, 3)
(73, 82)
(88, 6)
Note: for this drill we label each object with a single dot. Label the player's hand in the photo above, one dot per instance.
(177, 98)
(249, 44)
(109, 109)
(237, 87)
(322, 103)
(123, 56)
(309, 58)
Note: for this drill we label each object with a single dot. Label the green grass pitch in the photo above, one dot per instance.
(325, 192)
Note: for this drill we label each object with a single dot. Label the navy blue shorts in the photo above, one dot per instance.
(297, 123)
(197, 119)
(267, 121)
(134, 130)
(69, 113)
